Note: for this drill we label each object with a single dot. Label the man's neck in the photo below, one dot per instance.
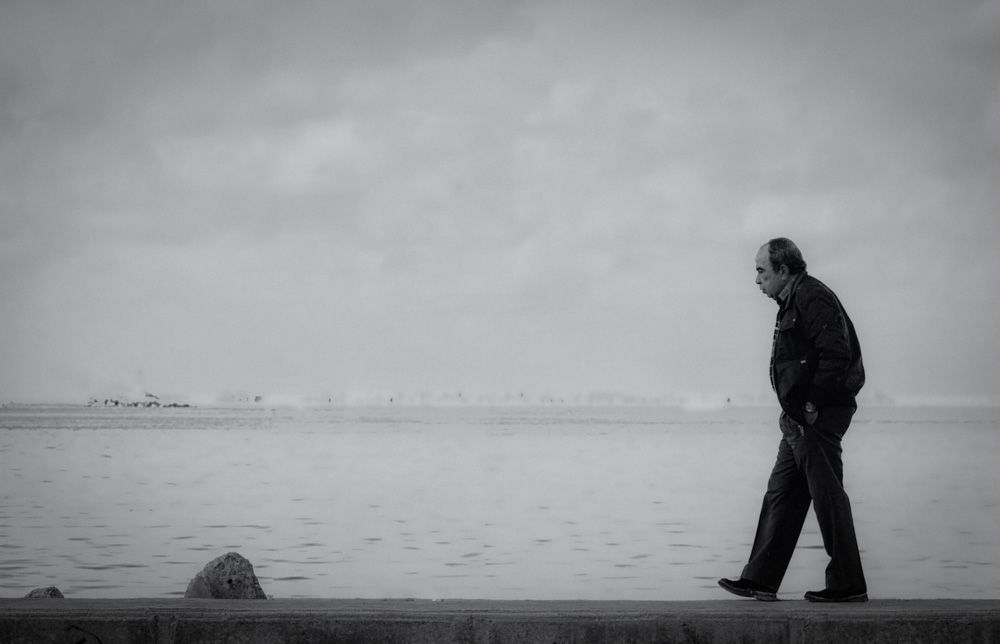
(787, 291)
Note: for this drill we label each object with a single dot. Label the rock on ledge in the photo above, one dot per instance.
(230, 576)
(48, 592)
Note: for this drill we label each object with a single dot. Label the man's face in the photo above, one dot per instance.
(769, 280)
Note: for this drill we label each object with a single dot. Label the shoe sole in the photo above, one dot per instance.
(759, 595)
(863, 597)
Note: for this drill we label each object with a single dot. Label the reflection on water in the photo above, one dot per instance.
(507, 503)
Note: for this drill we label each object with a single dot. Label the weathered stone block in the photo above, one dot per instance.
(230, 576)
(48, 592)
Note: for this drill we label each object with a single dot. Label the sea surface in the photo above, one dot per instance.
(497, 503)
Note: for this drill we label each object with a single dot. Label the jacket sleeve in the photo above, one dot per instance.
(826, 330)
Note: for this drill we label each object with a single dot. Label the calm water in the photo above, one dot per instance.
(506, 503)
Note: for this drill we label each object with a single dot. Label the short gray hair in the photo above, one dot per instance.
(782, 250)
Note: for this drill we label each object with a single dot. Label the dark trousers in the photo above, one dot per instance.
(809, 469)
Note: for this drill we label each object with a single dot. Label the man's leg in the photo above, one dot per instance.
(784, 510)
(819, 457)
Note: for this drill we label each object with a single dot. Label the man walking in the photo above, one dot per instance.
(816, 372)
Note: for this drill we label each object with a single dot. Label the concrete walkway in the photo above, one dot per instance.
(208, 621)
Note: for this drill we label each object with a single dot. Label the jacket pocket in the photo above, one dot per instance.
(787, 323)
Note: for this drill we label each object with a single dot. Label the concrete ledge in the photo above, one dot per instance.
(208, 621)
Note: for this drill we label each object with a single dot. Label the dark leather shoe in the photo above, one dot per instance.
(747, 588)
(828, 595)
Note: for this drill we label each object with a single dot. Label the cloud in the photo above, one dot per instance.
(364, 193)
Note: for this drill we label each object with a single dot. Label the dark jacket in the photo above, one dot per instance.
(816, 356)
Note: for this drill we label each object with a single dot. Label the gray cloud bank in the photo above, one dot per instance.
(542, 196)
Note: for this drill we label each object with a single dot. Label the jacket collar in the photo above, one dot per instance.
(785, 296)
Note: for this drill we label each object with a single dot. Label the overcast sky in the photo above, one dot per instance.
(311, 197)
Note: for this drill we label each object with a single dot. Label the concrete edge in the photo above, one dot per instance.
(165, 621)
